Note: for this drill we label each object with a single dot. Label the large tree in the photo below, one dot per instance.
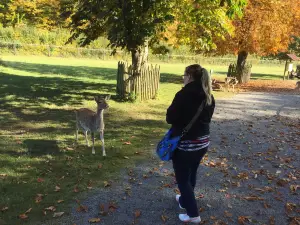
(266, 28)
(133, 25)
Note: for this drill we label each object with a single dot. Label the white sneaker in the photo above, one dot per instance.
(177, 200)
(185, 218)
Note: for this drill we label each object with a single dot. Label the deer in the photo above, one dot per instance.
(217, 85)
(231, 81)
(298, 85)
(89, 120)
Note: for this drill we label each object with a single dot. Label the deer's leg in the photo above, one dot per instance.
(86, 140)
(102, 140)
(77, 128)
(93, 140)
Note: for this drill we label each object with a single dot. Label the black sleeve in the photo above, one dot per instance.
(174, 112)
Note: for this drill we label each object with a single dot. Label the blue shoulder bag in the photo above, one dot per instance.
(167, 145)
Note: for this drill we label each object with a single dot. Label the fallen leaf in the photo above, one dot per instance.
(28, 211)
(294, 220)
(164, 218)
(137, 213)
(201, 210)
(3, 175)
(112, 207)
(76, 190)
(94, 220)
(290, 207)
(294, 188)
(227, 214)
(272, 220)
(266, 205)
(57, 188)
(4, 209)
(212, 164)
(200, 196)
(82, 208)
(106, 184)
(208, 205)
(40, 180)
(45, 213)
(243, 219)
(23, 216)
(282, 182)
(51, 208)
(60, 201)
(100, 166)
(38, 198)
(103, 211)
(176, 190)
(253, 198)
(126, 157)
(58, 214)
(127, 143)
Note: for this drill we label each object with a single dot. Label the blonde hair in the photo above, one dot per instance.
(201, 76)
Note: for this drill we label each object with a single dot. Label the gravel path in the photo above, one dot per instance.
(250, 174)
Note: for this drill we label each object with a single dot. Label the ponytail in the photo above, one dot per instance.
(202, 77)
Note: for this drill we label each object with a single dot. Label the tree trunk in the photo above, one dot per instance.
(243, 72)
(139, 58)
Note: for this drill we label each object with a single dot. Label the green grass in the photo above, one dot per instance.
(38, 96)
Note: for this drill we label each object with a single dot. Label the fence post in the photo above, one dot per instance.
(49, 51)
(15, 50)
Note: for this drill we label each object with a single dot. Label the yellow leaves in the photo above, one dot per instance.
(94, 220)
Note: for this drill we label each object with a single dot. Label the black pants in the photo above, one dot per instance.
(185, 166)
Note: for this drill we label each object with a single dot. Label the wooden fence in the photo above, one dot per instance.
(142, 87)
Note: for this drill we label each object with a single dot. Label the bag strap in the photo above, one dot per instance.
(188, 127)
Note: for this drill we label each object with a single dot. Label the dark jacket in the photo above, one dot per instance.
(184, 107)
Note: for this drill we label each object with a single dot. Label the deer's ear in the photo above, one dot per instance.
(107, 97)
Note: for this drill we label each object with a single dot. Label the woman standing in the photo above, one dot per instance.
(194, 144)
